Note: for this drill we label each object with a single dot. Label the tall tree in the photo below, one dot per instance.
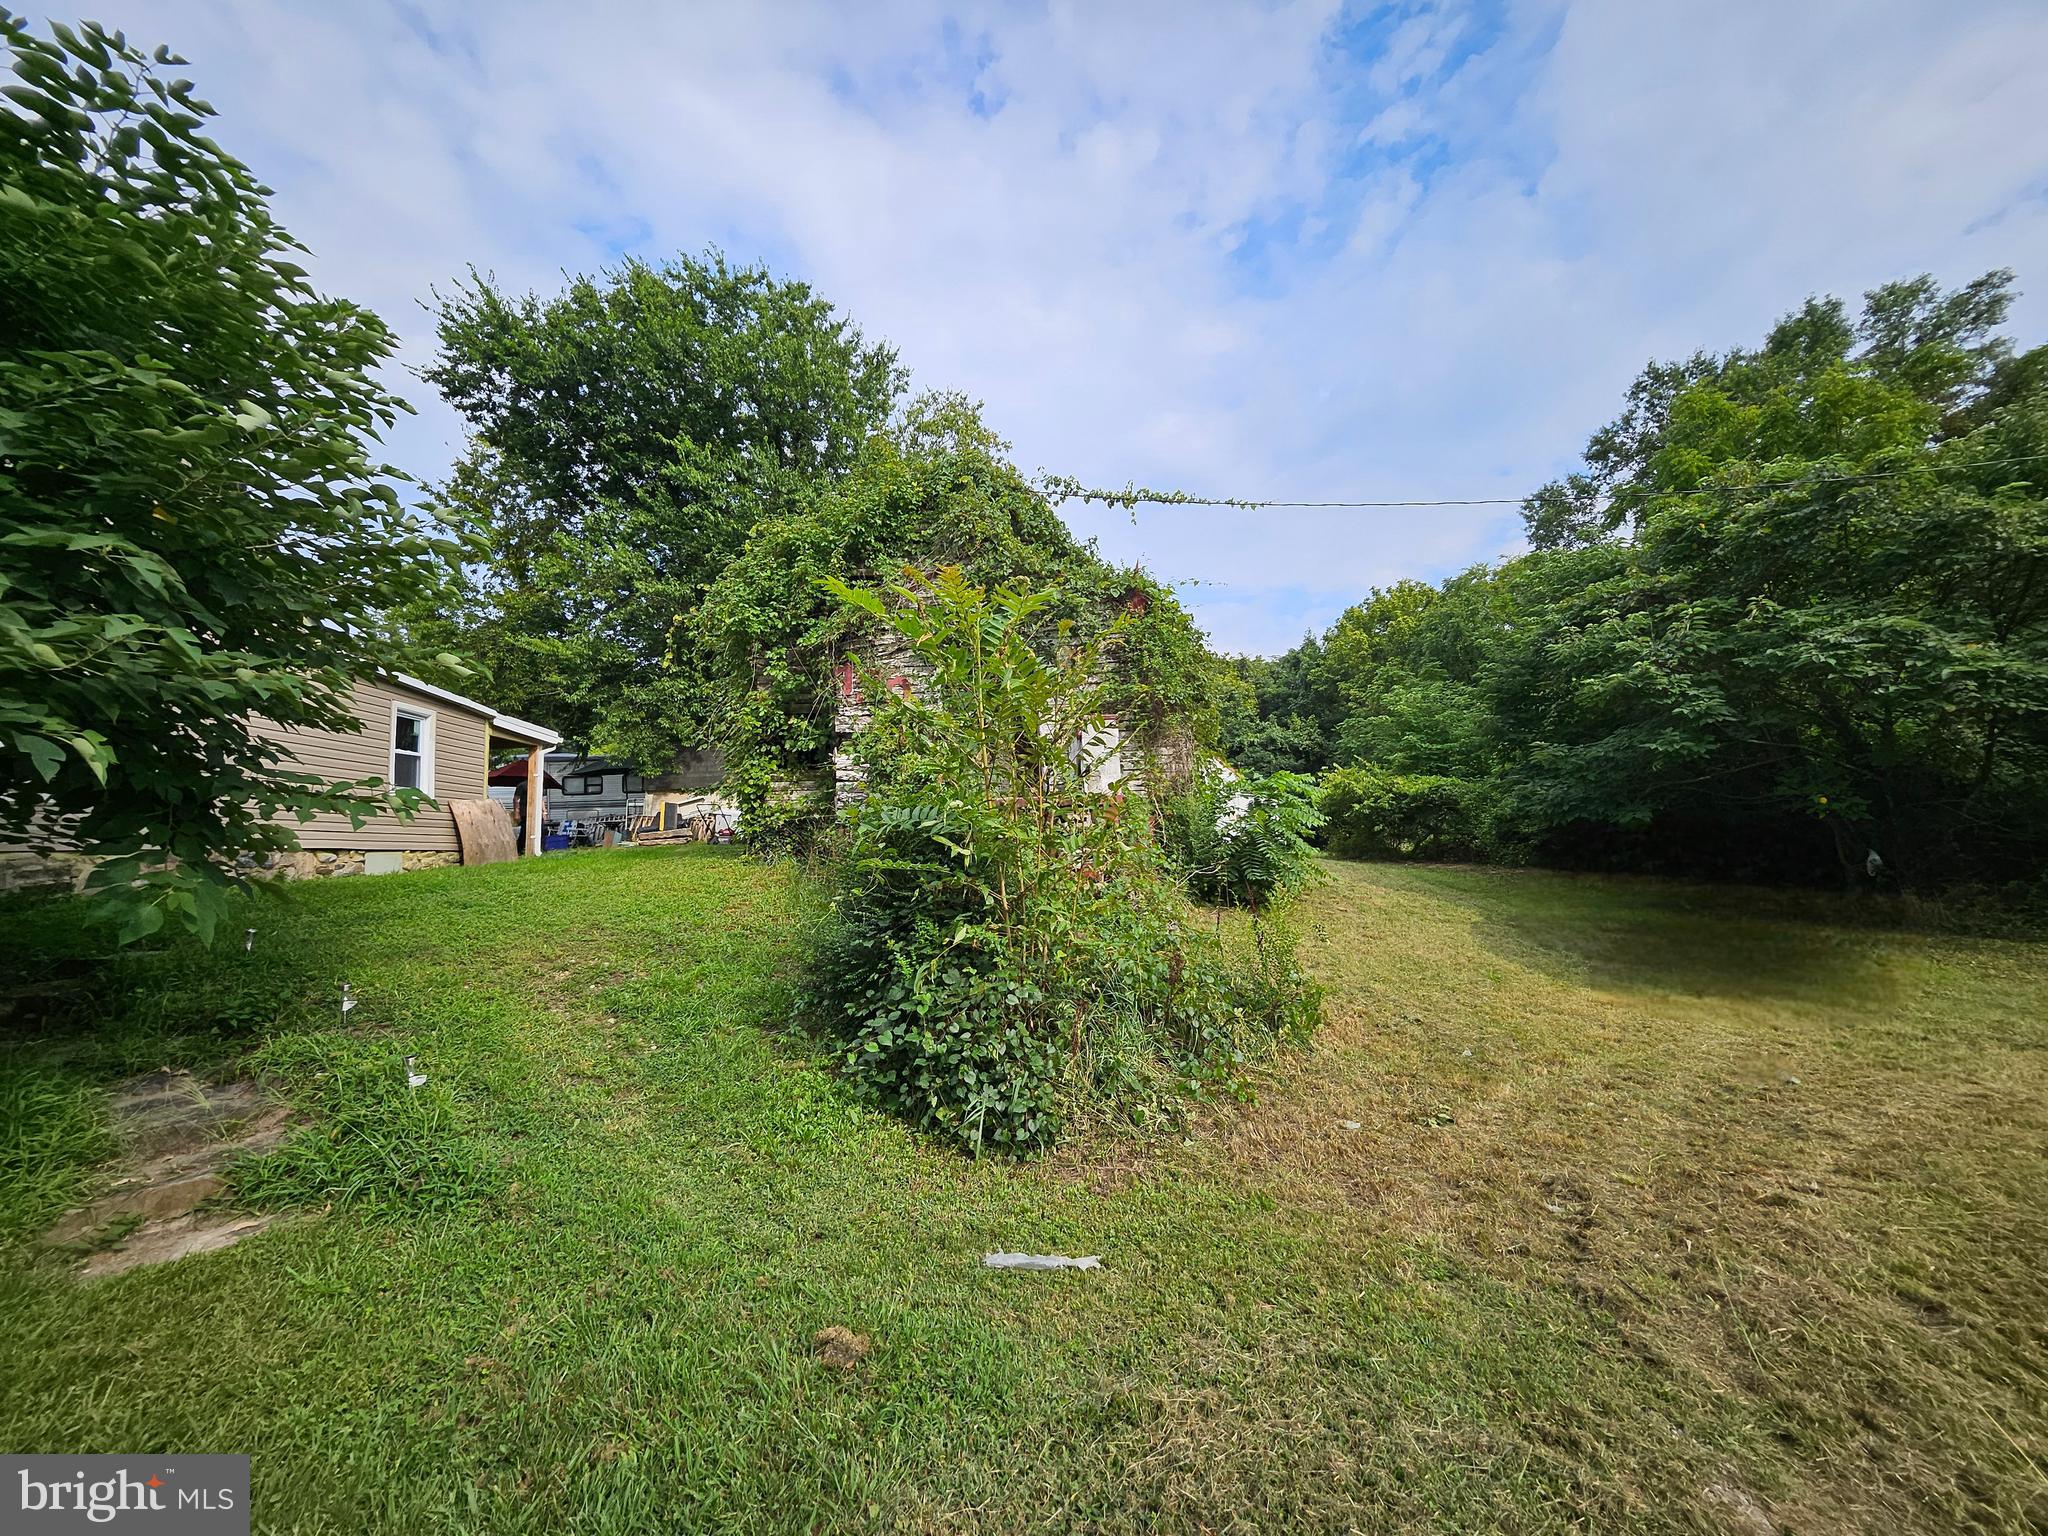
(192, 530)
(1277, 712)
(628, 434)
(1793, 618)
(1937, 351)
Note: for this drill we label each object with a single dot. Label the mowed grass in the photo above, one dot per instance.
(1668, 1209)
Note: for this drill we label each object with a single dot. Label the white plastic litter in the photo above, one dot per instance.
(1039, 1261)
(248, 940)
(413, 1079)
(1351, 1125)
(347, 1002)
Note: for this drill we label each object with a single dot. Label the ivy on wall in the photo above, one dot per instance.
(937, 490)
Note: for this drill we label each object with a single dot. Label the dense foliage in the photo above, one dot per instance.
(192, 532)
(1370, 813)
(1791, 621)
(1004, 952)
(1238, 841)
(936, 490)
(666, 462)
(1261, 702)
(629, 434)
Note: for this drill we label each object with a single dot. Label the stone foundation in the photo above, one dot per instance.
(891, 659)
(66, 872)
(849, 780)
(43, 871)
(319, 864)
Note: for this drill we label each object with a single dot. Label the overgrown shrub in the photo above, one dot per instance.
(1372, 814)
(937, 489)
(1004, 951)
(1242, 842)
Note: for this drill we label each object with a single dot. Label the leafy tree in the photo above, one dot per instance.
(1932, 352)
(1792, 618)
(1366, 637)
(1830, 611)
(192, 531)
(1264, 746)
(1276, 715)
(629, 434)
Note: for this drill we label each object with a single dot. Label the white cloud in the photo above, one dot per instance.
(1272, 250)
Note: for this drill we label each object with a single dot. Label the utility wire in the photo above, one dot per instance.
(1062, 489)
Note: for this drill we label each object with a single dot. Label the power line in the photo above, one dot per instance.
(1072, 490)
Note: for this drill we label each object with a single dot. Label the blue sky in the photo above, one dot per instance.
(1295, 250)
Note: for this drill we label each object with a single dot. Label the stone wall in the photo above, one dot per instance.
(849, 779)
(891, 659)
(23, 871)
(325, 863)
(1163, 758)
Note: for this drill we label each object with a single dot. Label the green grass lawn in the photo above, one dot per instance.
(1669, 1208)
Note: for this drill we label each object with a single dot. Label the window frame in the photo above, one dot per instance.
(426, 717)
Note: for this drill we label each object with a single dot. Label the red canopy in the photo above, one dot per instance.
(514, 774)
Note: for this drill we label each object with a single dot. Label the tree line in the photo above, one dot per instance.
(1789, 622)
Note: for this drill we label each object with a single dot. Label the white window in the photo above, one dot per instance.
(412, 748)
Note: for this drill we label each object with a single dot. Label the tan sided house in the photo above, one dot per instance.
(414, 736)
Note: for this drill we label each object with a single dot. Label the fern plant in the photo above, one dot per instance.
(1243, 842)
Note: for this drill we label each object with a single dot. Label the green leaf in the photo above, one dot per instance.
(143, 920)
(46, 756)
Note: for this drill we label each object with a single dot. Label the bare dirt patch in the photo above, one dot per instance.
(841, 1347)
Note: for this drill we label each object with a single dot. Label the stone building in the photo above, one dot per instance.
(1108, 762)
